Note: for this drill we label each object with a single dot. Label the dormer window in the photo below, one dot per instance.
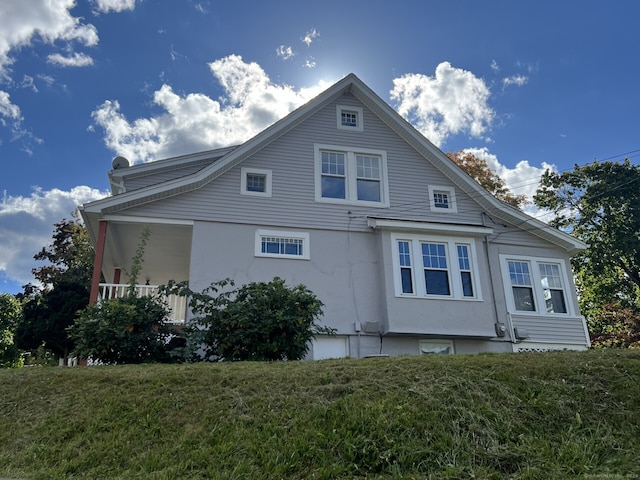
(349, 118)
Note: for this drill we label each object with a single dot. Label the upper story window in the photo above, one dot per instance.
(349, 118)
(351, 176)
(442, 199)
(255, 181)
(279, 244)
(438, 267)
(535, 285)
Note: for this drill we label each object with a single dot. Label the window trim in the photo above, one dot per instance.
(351, 180)
(261, 233)
(536, 285)
(453, 267)
(359, 126)
(245, 171)
(450, 191)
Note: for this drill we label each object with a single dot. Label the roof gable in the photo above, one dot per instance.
(352, 84)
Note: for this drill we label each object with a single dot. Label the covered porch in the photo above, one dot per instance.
(166, 257)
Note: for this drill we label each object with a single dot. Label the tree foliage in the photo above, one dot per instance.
(10, 315)
(69, 257)
(258, 321)
(129, 329)
(66, 282)
(600, 204)
(480, 171)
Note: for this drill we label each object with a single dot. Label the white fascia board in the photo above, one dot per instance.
(427, 227)
(147, 220)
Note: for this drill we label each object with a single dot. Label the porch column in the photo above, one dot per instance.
(97, 262)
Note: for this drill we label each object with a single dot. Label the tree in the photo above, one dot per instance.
(258, 321)
(480, 171)
(66, 282)
(600, 204)
(10, 314)
(69, 257)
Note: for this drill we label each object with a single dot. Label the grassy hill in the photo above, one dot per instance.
(517, 416)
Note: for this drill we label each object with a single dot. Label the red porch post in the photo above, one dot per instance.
(97, 262)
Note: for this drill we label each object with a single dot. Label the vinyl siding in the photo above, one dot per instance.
(291, 159)
(559, 329)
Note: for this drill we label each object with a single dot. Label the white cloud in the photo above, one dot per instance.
(26, 225)
(8, 109)
(195, 122)
(285, 52)
(494, 66)
(49, 20)
(450, 102)
(518, 80)
(73, 60)
(310, 36)
(521, 179)
(105, 6)
(309, 63)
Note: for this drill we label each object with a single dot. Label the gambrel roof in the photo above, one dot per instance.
(217, 162)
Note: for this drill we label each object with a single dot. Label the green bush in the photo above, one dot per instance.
(258, 321)
(131, 329)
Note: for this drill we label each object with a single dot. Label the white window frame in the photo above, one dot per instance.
(434, 344)
(536, 281)
(262, 233)
(244, 172)
(351, 182)
(453, 266)
(450, 192)
(358, 127)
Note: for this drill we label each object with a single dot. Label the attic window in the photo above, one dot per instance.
(349, 118)
(255, 181)
(442, 199)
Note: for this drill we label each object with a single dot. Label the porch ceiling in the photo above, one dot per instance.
(166, 255)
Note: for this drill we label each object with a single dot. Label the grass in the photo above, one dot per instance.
(515, 416)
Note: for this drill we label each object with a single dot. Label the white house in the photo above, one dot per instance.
(408, 253)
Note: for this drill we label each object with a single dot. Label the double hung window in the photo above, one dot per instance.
(351, 176)
(435, 267)
(536, 285)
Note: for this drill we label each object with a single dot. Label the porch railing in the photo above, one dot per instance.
(177, 304)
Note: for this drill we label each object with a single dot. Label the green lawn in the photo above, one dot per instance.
(517, 416)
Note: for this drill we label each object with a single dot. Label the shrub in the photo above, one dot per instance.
(131, 329)
(258, 321)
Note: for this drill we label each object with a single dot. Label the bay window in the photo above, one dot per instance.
(446, 267)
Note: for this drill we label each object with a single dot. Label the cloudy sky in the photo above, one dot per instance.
(526, 85)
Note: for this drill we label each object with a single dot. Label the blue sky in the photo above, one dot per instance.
(527, 85)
